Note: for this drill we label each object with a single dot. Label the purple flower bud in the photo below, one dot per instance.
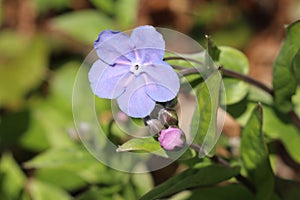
(171, 138)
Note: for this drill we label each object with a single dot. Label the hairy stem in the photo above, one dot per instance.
(184, 72)
(247, 79)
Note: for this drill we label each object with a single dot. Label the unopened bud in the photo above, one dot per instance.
(172, 138)
(168, 117)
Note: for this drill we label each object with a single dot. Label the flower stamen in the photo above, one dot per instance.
(136, 69)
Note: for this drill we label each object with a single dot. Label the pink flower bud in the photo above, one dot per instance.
(171, 138)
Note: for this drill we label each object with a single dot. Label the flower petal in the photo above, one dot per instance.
(111, 45)
(134, 101)
(148, 42)
(162, 82)
(107, 81)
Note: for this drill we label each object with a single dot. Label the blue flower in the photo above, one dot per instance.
(131, 69)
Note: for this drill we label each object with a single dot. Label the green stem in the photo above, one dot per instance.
(185, 72)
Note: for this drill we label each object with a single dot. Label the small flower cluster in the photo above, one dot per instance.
(164, 122)
(131, 70)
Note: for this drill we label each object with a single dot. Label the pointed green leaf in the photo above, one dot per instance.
(20, 70)
(63, 178)
(107, 6)
(148, 144)
(204, 122)
(41, 190)
(284, 78)
(83, 26)
(212, 49)
(126, 12)
(235, 60)
(193, 177)
(276, 127)
(255, 157)
(296, 66)
(12, 179)
(68, 158)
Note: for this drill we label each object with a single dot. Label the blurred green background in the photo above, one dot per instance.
(42, 45)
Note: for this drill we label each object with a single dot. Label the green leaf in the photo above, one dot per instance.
(69, 158)
(10, 133)
(148, 144)
(287, 189)
(126, 12)
(233, 191)
(20, 70)
(58, 5)
(107, 6)
(296, 66)
(235, 60)
(193, 177)
(12, 179)
(212, 49)
(284, 84)
(76, 160)
(204, 122)
(40, 191)
(63, 178)
(284, 78)
(255, 157)
(83, 26)
(99, 193)
(52, 118)
(277, 127)
(143, 183)
(296, 101)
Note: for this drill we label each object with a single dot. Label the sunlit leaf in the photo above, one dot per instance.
(277, 127)
(68, 158)
(193, 177)
(63, 178)
(296, 66)
(51, 119)
(83, 26)
(148, 144)
(107, 6)
(99, 193)
(255, 157)
(20, 70)
(213, 50)
(12, 179)
(204, 122)
(41, 190)
(126, 12)
(233, 59)
(284, 78)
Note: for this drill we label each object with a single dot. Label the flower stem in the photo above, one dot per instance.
(227, 72)
(247, 79)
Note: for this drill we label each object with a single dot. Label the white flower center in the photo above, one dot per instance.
(136, 68)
